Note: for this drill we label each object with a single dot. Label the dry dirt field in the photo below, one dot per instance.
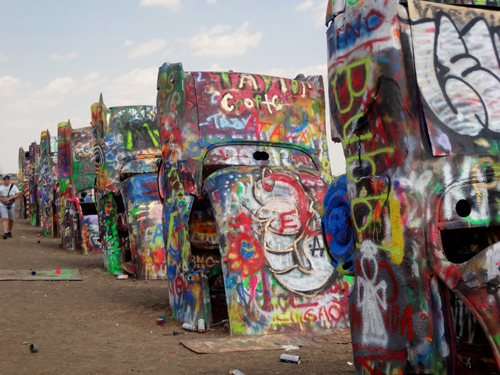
(101, 325)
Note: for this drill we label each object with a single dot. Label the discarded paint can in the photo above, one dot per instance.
(33, 273)
(33, 348)
(163, 318)
(201, 326)
(58, 272)
(189, 327)
(236, 372)
(159, 322)
(288, 358)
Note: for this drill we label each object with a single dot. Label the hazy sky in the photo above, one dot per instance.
(56, 56)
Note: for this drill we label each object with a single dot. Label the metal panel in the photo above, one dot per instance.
(271, 246)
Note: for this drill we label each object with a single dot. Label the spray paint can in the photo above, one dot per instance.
(288, 358)
(189, 327)
(236, 372)
(201, 326)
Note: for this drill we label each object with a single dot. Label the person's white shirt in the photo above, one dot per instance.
(4, 191)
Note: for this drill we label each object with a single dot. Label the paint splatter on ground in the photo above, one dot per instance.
(27, 275)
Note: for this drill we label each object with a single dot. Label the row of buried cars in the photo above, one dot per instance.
(225, 189)
(218, 189)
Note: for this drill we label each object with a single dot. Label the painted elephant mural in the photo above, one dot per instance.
(77, 214)
(413, 97)
(244, 172)
(126, 155)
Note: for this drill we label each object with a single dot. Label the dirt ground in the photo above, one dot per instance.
(101, 325)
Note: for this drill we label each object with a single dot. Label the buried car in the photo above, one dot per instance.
(126, 154)
(414, 94)
(77, 211)
(244, 171)
(47, 176)
(23, 182)
(33, 212)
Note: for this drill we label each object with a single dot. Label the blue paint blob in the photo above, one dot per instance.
(336, 225)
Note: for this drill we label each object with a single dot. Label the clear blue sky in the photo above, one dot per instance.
(56, 56)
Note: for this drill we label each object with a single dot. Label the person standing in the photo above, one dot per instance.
(8, 194)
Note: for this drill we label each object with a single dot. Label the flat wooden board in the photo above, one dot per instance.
(25, 275)
(241, 344)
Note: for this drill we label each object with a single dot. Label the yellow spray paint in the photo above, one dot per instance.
(397, 231)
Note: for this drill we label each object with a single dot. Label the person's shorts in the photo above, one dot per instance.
(7, 213)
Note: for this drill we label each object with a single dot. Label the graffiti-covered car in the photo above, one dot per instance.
(32, 209)
(77, 212)
(414, 93)
(23, 178)
(245, 168)
(47, 183)
(126, 156)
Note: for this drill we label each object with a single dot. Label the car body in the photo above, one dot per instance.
(126, 154)
(47, 183)
(413, 97)
(33, 212)
(244, 170)
(77, 213)
(23, 182)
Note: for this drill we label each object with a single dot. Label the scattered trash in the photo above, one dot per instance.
(212, 345)
(38, 242)
(201, 326)
(151, 331)
(121, 277)
(288, 358)
(33, 273)
(174, 333)
(23, 236)
(117, 324)
(163, 318)
(236, 372)
(222, 322)
(189, 327)
(58, 272)
(128, 267)
(33, 348)
(25, 343)
(290, 347)
(160, 321)
(350, 363)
